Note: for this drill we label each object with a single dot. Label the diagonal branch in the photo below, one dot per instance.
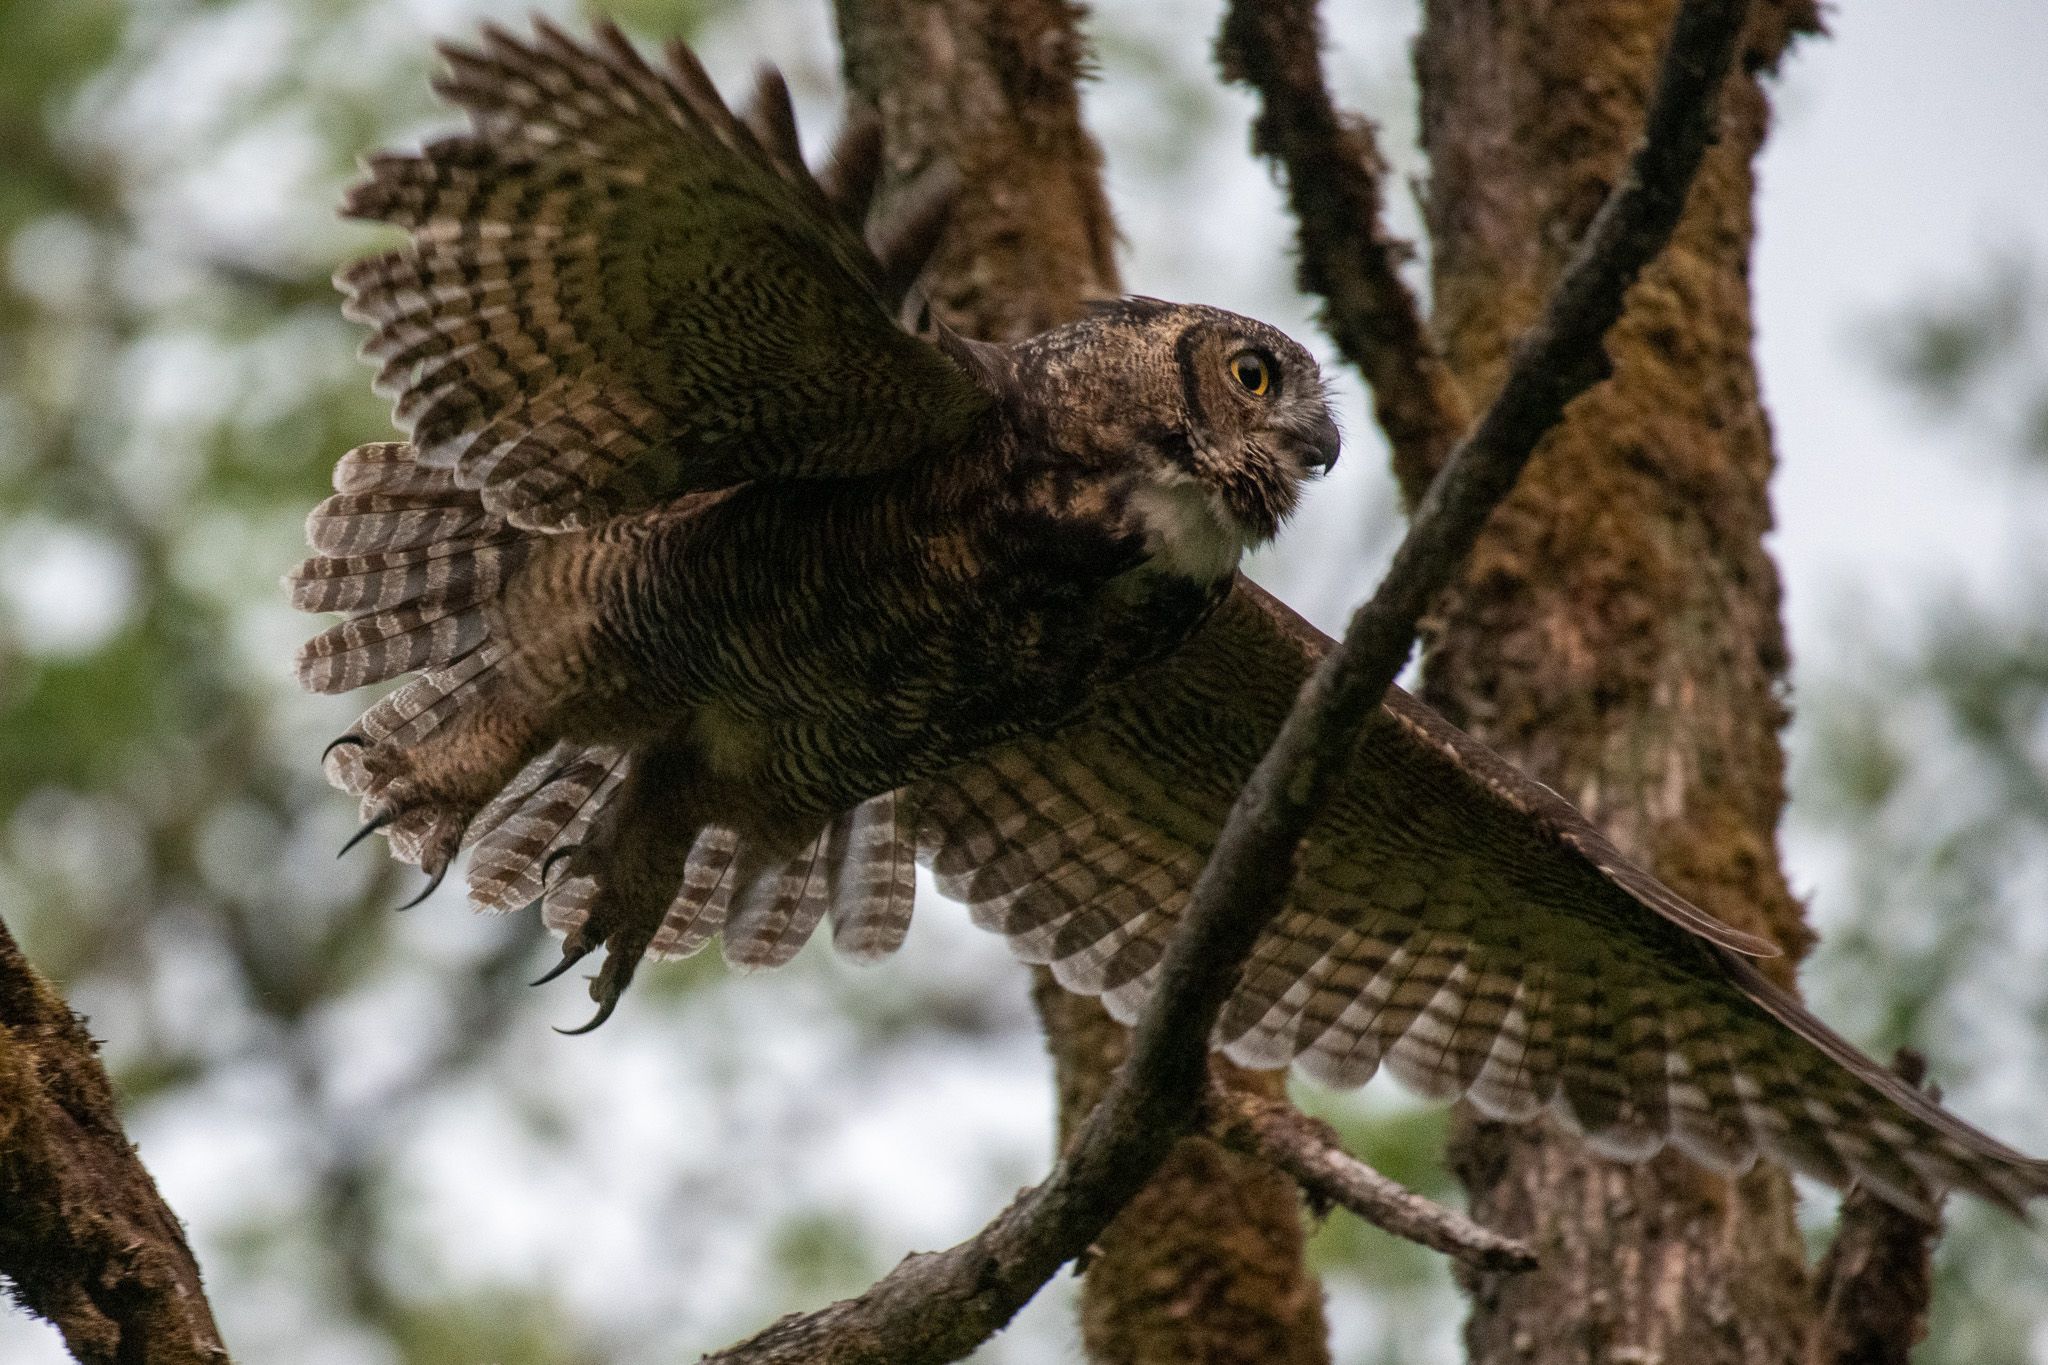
(85, 1239)
(939, 1306)
(1347, 257)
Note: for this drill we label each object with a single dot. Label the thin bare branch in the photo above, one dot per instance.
(1875, 1283)
(85, 1239)
(938, 1307)
(1346, 255)
(1310, 1152)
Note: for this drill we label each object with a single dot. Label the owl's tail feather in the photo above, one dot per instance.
(411, 561)
(876, 878)
(860, 870)
(617, 877)
(414, 564)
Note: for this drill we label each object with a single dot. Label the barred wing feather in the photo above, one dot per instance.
(616, 292)
(1453, 921)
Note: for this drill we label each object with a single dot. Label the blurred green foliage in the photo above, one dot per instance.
(1925, 772)
(174, 386)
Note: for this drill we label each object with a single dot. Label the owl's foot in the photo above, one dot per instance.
(423, 796)
(636, 880)
(648, 876)
(662, 871)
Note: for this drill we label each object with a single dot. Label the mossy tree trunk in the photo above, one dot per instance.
(1617, 634)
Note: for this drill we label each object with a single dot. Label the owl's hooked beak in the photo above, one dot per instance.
(1323, 441)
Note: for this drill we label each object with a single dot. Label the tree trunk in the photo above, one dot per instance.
(1617, 633)
(1205, 1266)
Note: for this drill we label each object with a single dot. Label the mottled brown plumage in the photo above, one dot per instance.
(729, 599)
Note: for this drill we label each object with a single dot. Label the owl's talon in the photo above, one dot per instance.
(604, 1012)
(366, 831)
(572, 953)
(350, 738)
(433, 885)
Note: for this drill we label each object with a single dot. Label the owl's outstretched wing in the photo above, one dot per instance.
(1454, 919)
(617, 292)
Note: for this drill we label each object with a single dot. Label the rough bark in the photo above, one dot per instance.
(1206, 1264)
(85, 1239)
(1617, 633)
(1873, 1289)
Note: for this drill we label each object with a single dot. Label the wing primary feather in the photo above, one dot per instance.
(904, 241)
(522, 335)
(854, 169)
(771, 119)
(693, 83)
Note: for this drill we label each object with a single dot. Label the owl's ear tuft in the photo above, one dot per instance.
(903, 241)
(854, 168)
(1129, 307)
(988, 365)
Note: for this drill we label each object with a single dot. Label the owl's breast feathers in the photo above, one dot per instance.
(885, 628)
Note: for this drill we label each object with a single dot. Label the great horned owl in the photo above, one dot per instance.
(729, 599)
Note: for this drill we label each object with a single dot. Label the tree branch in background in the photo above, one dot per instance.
(1347, 258)
(85, 1239)
(940, 1306)
(1309, 1151)
(1874, 1285)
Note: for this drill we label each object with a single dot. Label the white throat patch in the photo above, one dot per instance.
(1185, 531)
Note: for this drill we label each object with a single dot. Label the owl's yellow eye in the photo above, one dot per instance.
(1250, 369)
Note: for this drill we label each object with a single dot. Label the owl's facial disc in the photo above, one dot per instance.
(1210, 422)
(1260, 425)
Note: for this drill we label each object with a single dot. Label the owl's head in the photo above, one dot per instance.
(1214, 420)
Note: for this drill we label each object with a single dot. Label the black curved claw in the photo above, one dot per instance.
(547, 864)
(366, 831)
(349, 738)
(604, 1012)
(433, 885)
(572, 953)
(611, 983)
